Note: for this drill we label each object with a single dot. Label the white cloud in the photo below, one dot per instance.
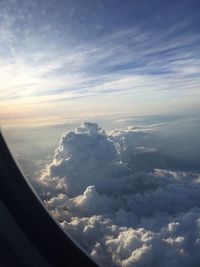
(32, 70)
(122, 217)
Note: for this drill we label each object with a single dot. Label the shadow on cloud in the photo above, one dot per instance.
(113, 193)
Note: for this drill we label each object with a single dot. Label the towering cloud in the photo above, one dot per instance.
(121, 216)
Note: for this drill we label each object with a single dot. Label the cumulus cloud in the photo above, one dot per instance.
(121, 216)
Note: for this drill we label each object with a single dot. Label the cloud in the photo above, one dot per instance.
(149, 64)
(122, 217)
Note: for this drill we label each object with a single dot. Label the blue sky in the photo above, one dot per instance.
(78, 58)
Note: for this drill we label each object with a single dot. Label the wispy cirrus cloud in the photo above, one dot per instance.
(132, 61)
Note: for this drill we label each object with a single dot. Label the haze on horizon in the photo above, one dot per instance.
(111, 91)
(66, 59)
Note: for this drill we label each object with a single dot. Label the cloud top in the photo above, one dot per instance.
(121, 216)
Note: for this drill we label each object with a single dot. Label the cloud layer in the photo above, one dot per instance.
(122, 216)
(51, 53)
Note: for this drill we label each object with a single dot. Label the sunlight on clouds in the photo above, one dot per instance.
(131, 69)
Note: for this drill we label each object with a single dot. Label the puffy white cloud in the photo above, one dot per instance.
(131, 138)
(120, 216)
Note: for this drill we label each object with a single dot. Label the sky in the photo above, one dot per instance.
(118, 80)
(73, 58)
